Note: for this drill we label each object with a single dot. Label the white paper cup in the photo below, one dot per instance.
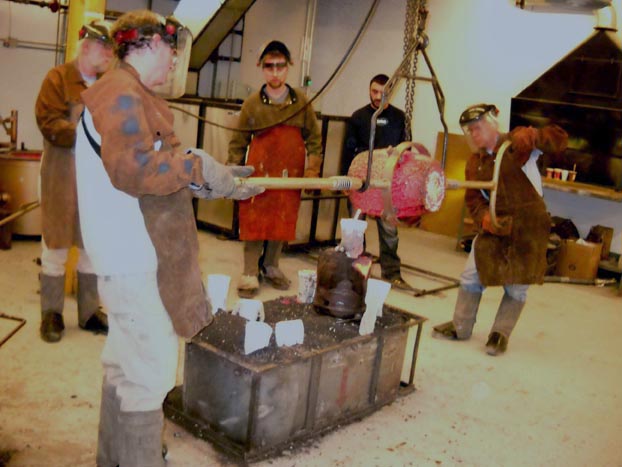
(307, 282)
(353, 236)
(564, 175)
(290, 332)
(249, 309)
(217, 290)
(257, 336)
(377, 292)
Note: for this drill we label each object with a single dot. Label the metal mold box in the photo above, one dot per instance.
(252, 406)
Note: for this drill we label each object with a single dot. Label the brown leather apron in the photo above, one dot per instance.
(272, 215)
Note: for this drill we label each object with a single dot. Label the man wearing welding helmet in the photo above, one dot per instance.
(57, 110)
(135, 188)
(278, 127)
(512, 252)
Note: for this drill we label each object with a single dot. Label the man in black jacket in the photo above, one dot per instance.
(390, 131)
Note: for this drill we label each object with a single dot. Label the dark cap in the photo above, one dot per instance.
(95, 30)
(275, 47)
(475, 112)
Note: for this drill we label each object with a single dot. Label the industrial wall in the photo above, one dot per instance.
(482, 50)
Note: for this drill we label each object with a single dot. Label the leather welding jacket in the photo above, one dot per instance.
(520, 257)
(142, 157)
(57, 111)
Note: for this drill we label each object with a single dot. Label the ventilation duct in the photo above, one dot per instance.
(563, 6)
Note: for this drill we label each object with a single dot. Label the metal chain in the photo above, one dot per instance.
(413, 27)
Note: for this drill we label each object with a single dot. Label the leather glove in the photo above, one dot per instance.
(313, 167)
(504, 221)
(219, 179)
(314, 163)
(524, 139)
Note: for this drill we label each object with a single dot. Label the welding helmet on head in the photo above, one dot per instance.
(97, 30)
(274, 47)
(478, 117)
(135, 30)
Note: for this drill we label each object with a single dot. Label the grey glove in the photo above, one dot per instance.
(219, 179)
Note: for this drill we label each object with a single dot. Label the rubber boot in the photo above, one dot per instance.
(52, 303)
(140, 440)
(90, 317)
(507, 316)
(465, 313)
(107, 441)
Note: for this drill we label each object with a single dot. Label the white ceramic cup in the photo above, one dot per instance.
(307, 282)
(217, 290)
(250, 309)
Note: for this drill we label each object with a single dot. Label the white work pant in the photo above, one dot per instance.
(140, 354)
(53, 261)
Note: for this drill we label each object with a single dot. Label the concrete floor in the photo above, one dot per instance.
(554, 399)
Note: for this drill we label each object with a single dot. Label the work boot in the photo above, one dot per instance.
(52, 301)
(90, 317)
(107, 441)
(507, 316)
(465, 313)
(275, 277)
(497, 344)
(446, 330)
(140, 439)
(398, 282)
(248, 286)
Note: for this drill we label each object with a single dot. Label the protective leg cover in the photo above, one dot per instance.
(465, 312)
(507, 315)
(52, 294)
(140, 440)
(52, 302)
(107, 441)
(88, 298)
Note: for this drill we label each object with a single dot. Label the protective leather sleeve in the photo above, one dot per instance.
(552, 139)
(52, 111)
(140, 150)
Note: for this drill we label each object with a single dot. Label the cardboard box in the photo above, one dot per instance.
(579, 260)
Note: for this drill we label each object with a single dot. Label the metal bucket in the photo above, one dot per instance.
(19, 177)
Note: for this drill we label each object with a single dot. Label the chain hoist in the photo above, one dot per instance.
(416, 14)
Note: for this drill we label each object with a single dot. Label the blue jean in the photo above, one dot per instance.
(469, 280)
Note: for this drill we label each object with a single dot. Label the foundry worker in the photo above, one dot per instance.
(390, 131)
(57, 110)
(135, 187)
(283, 130)
(511, 254)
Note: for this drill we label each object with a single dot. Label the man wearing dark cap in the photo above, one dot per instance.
(279, 128)
(57, 111)
(512, 252)
(390, 131)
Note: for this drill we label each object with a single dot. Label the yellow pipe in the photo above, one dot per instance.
(80, 13)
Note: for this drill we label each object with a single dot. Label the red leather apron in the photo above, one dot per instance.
(272, 215)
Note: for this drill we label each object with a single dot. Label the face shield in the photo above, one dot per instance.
(180, 39)
(480, 126)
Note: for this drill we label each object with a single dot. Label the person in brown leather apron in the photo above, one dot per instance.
(57, 110)
(514, 254)
(279, 130)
